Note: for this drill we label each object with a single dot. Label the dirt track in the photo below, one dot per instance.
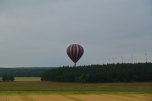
(77, 98)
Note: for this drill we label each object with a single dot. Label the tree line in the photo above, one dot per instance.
(24, 71)
(125, 72)
(8, 77)
(9, 74)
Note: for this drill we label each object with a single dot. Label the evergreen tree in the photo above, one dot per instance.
(7, 77)
(140, 72)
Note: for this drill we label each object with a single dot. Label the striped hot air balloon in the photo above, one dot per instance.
(75, 52)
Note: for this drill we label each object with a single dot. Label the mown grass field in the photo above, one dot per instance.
(28, 90)
(38, 87)
(27, 79)
(103, 97)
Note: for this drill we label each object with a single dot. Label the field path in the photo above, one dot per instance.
(102, 97)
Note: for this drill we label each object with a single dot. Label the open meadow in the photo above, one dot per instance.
(81, 97)
(27, 79)
(54, 91)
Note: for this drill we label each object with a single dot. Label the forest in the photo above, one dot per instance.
(125, 72)
(24, 71)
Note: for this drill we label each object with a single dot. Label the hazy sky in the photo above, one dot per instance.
(37, 32)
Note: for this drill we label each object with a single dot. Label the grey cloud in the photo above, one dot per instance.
(37, 32)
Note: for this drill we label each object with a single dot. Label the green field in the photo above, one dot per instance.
(27, 79)
(38, 87)
(26, 90)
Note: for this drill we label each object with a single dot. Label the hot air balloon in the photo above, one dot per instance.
(75, 52)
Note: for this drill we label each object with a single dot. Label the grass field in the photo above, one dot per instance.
(38, 87)
(27, 79)
(54, 91)
(103, 97)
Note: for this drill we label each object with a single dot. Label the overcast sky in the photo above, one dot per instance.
(37, 32)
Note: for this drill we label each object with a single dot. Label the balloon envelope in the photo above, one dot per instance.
(75, 52)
